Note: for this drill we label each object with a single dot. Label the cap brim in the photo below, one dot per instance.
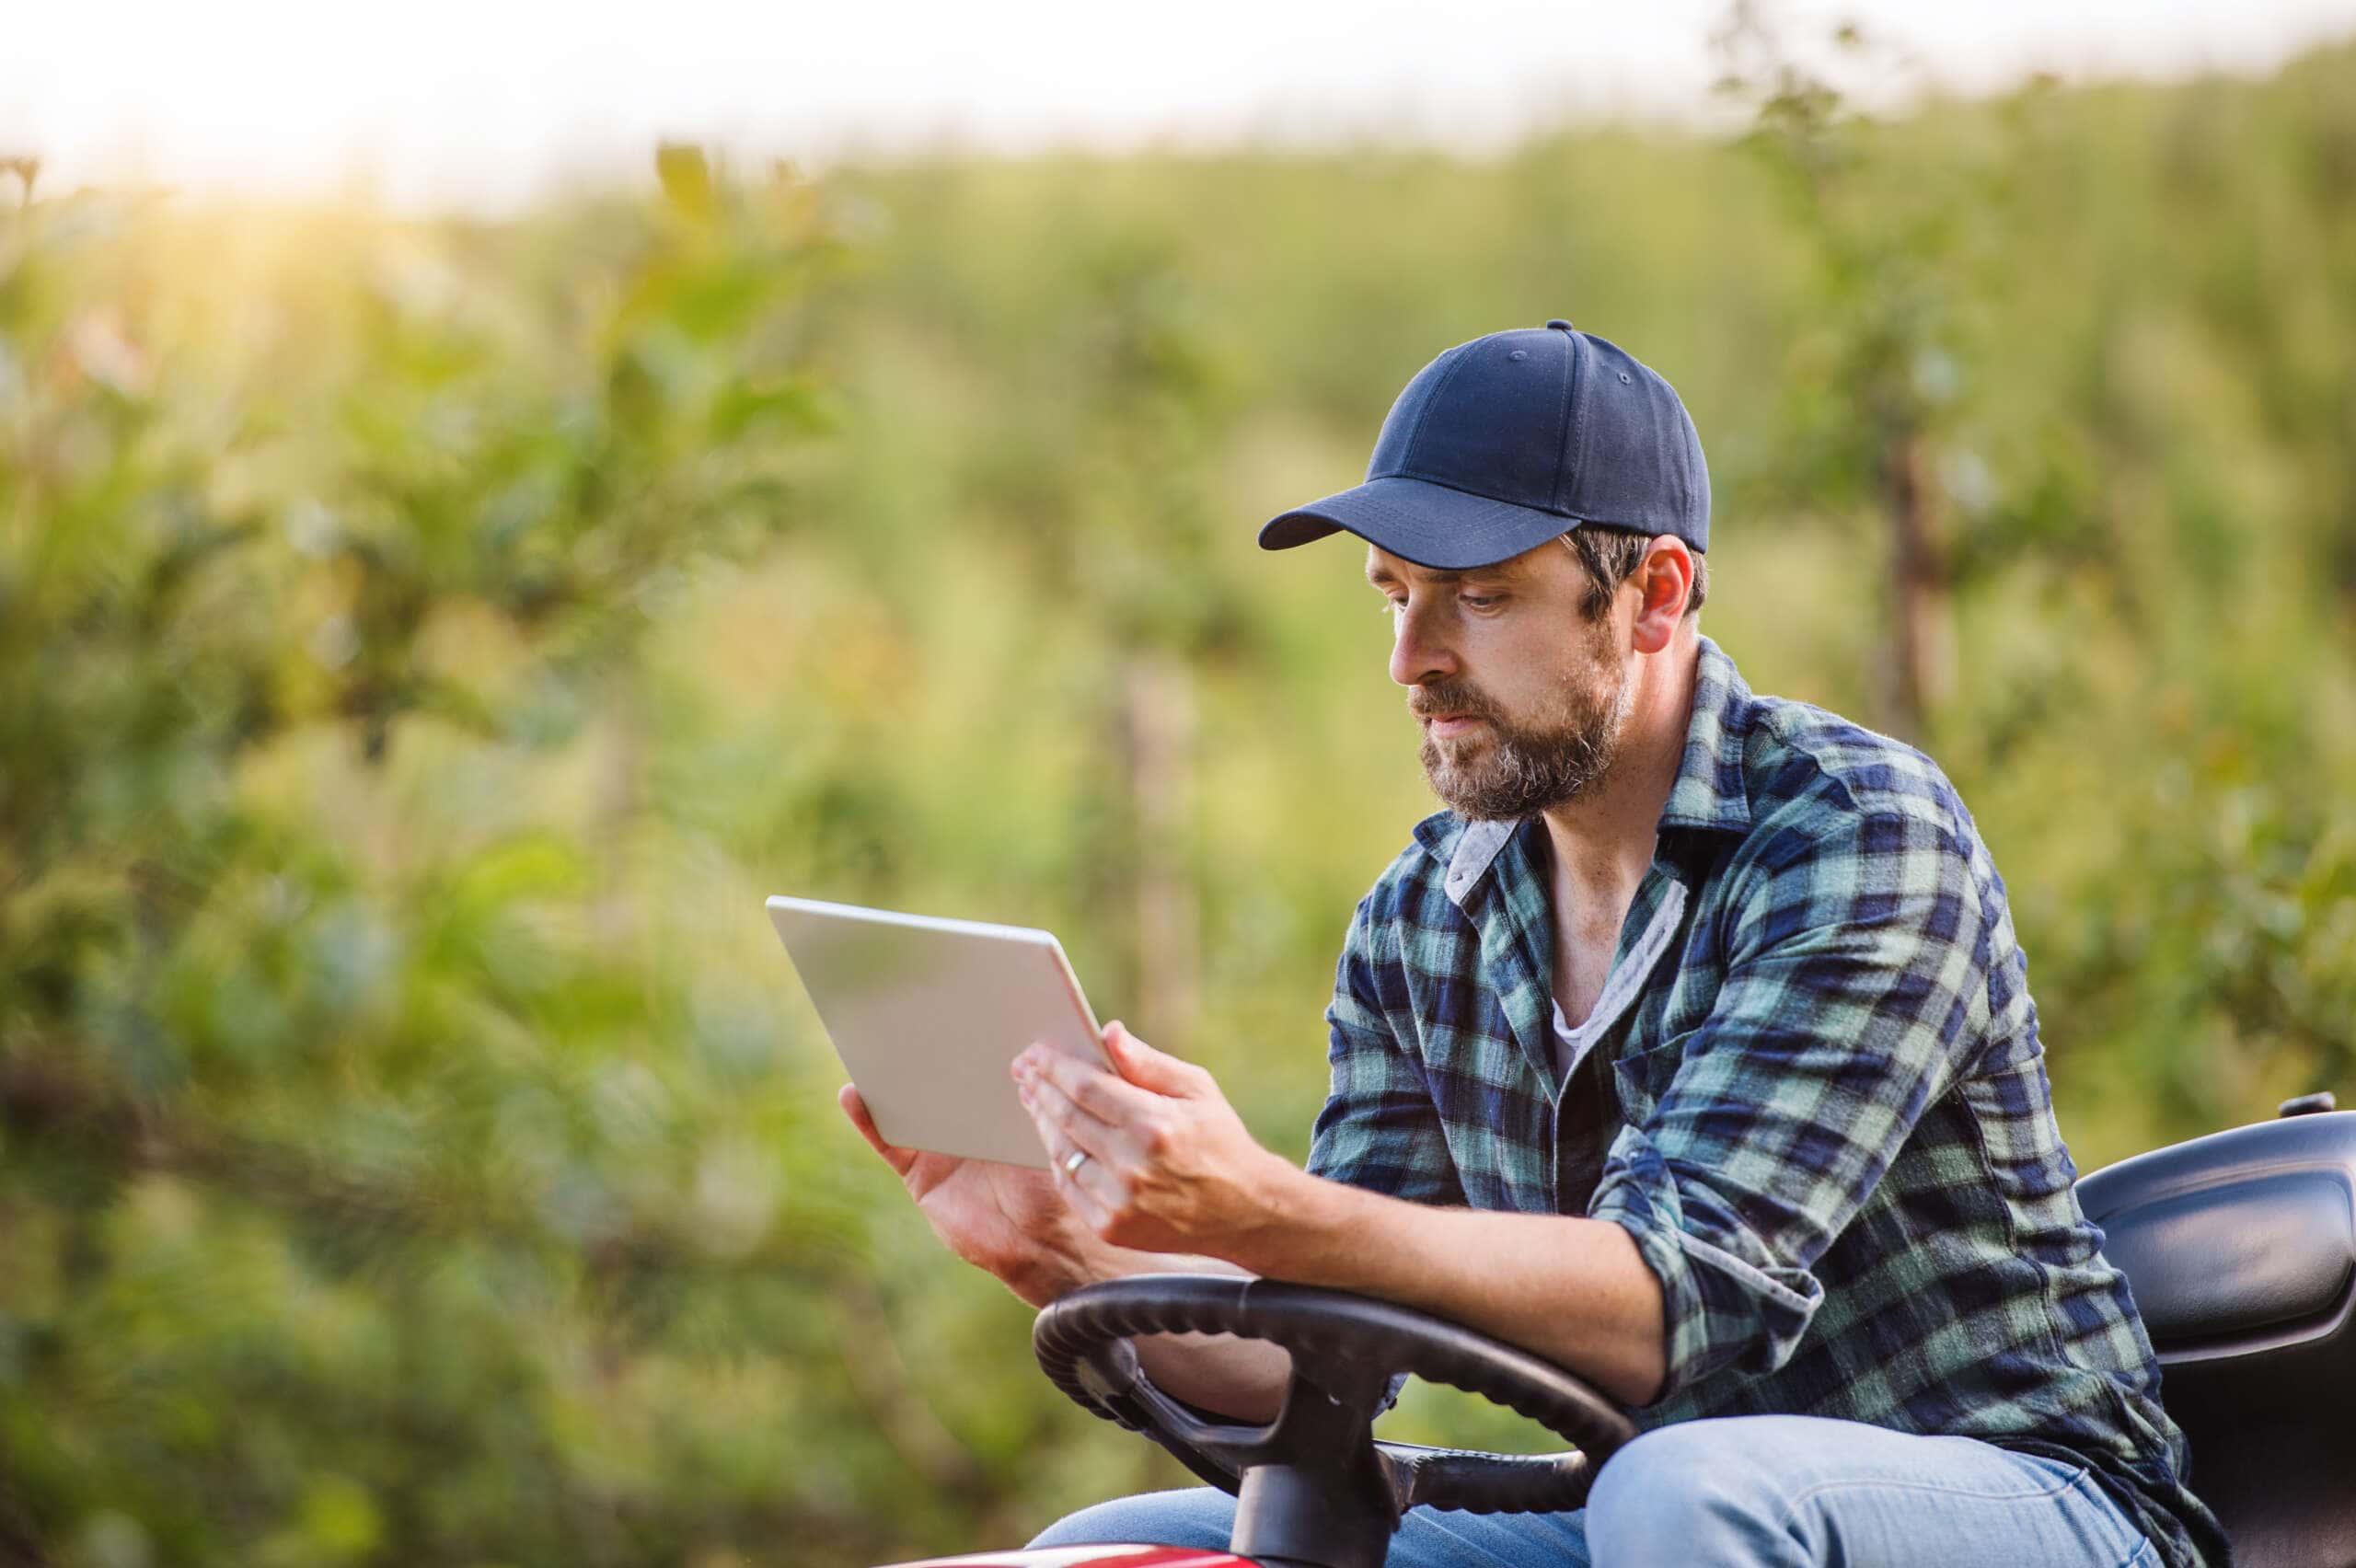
(1432, 525)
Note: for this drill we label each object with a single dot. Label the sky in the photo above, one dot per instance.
(487, 103)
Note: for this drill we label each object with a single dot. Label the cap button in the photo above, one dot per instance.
(1559, 325)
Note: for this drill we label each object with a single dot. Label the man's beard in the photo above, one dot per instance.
(1507, 771)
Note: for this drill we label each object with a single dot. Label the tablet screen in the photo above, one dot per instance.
(928, 1014)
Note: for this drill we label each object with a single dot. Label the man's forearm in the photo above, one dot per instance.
(1240, 1377)
(1151, 1159)
(1575, 1291)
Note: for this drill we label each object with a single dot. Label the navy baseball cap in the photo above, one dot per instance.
(1507, 441)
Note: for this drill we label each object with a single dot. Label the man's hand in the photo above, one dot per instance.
(1007, 1219)
(1013, 1222)
(1171, 1171)
(1169, 1167)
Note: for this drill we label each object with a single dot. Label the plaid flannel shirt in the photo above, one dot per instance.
(1834, 1140)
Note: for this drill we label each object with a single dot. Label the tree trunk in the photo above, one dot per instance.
(1921, 669)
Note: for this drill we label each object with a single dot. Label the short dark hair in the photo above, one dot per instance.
(1612, 556)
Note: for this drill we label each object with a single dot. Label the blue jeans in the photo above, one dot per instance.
(1747, 1490)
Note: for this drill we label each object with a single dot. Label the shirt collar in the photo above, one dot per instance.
(1709, 793)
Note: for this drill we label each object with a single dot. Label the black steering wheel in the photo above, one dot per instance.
(1315, 1485)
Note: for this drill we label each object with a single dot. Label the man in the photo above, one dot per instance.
(1689, 1049)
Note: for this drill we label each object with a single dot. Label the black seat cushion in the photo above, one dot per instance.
(2241, 1250)
(2254, 1252)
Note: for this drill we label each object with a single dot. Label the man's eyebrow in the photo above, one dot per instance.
(1504, 570)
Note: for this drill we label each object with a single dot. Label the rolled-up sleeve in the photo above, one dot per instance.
(1855, 966)
(1379, 1128)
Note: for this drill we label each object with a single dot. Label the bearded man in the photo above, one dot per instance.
(1689, 1049)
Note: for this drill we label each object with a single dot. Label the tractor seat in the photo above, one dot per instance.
(2241, 1249)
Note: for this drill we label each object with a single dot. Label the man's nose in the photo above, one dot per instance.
(1419, 653)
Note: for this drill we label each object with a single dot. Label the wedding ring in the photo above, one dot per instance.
(1074, 1160)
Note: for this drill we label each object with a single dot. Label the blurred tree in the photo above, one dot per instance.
(1876, 381)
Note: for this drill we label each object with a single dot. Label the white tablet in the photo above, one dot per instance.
(928, 1014)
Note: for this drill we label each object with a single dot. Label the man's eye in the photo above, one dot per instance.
(1391, 607)
(1481, 601)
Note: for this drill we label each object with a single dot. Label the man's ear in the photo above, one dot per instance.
(1665, 579)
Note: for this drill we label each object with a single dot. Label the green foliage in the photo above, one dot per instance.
(374, 1185)
(423, 644)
